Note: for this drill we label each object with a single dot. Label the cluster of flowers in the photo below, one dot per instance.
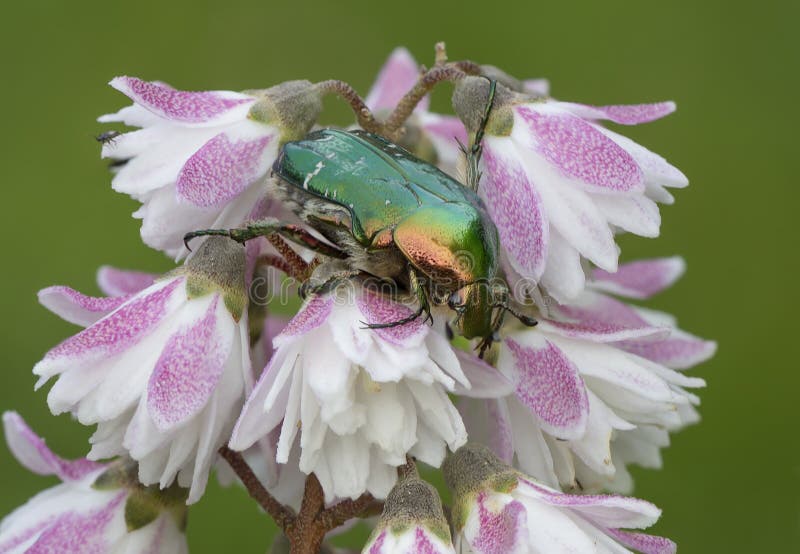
(172, 368)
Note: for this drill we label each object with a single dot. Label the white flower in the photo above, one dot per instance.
(162, 372)
(90, 511)
(361, 399)
(498, 510)
(431, 136)
(558, 185)
(200, 157)
(594, 390)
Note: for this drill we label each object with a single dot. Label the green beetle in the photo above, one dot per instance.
(393, 216)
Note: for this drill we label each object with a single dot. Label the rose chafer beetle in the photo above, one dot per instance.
(392, 216)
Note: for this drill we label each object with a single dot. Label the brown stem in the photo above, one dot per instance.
(364, 115)
(280, 513)
(426, 82)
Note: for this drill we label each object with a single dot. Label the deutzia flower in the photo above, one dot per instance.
(593, 386)
(558, 185)
(497, 509)
(412, 521)
(162, 372)
(199, 159)
(430, 136)
(361, 399)
(96, 508)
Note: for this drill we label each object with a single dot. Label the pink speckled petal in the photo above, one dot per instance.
(578, 151)
(630, 114)
(78, 308)
(175, 105)
(658, 172)
(600, 318)
(314, 313)
(679, 350)
(516, 208)
(646, 544)
(111, 335)
(640, 279)
(190, 366)
(120, 282)
(549, 384)
(501, 437)
(31, 451)
(223, 168)
(605, 510)
(397, 76)
(500, 532)
(539, 87)
(377, 309)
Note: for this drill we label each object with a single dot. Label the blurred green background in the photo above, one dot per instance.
(730, 484)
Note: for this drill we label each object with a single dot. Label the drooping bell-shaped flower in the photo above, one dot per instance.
(596, 385)
(429, 135)
(162, 372)
(356, 399)
(497, 509)
(412, 521)
(97, 508)
(199, 159)
(558, 185)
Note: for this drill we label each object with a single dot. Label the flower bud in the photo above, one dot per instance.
(292, 106)
(218, 265)
(470, 98)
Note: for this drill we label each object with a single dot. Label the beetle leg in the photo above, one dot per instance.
(424, 305)
(266, 227)
(316, 284)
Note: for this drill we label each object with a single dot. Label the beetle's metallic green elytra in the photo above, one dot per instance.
(358, 187)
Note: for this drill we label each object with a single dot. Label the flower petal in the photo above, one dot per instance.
(500, 531)
(540, 87)
(640, 279)
(377, 309)
(189, 368)
(120, 282)
(314, 313)
(78, 308)
(578, 151)
(486, 380)
(516, 208)
(550, 385)
(646, 544)
(397, 76)
(175, 105)
(31, 451)
(224, 167)
(678, 351)
(628, 114)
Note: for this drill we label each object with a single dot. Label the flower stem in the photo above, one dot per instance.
(282, 515)
(346, 92)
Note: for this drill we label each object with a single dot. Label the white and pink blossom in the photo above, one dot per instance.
(200, 158)
(360, 399)
(595, 385)
(497, 510)
(162, 372)
(559, 185)
(79, 516)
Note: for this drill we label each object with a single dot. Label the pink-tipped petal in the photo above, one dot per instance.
(175, 105)
(629, 114)
(500, 532)
(579, 151)
(189, 369)
(679, 350)
(446, 128)
(551, 387)
(486, 380)
(113, 334)
(644, 543)
(658, 172)
(222, 169)
(377, 309)
(516, 208)
(640, 279)
(120, 282)
(78, 308)
(397, 76)
(314, 313)
(31, 451)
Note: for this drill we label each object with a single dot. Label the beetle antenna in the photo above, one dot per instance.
(524, 319)
(474, 153)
